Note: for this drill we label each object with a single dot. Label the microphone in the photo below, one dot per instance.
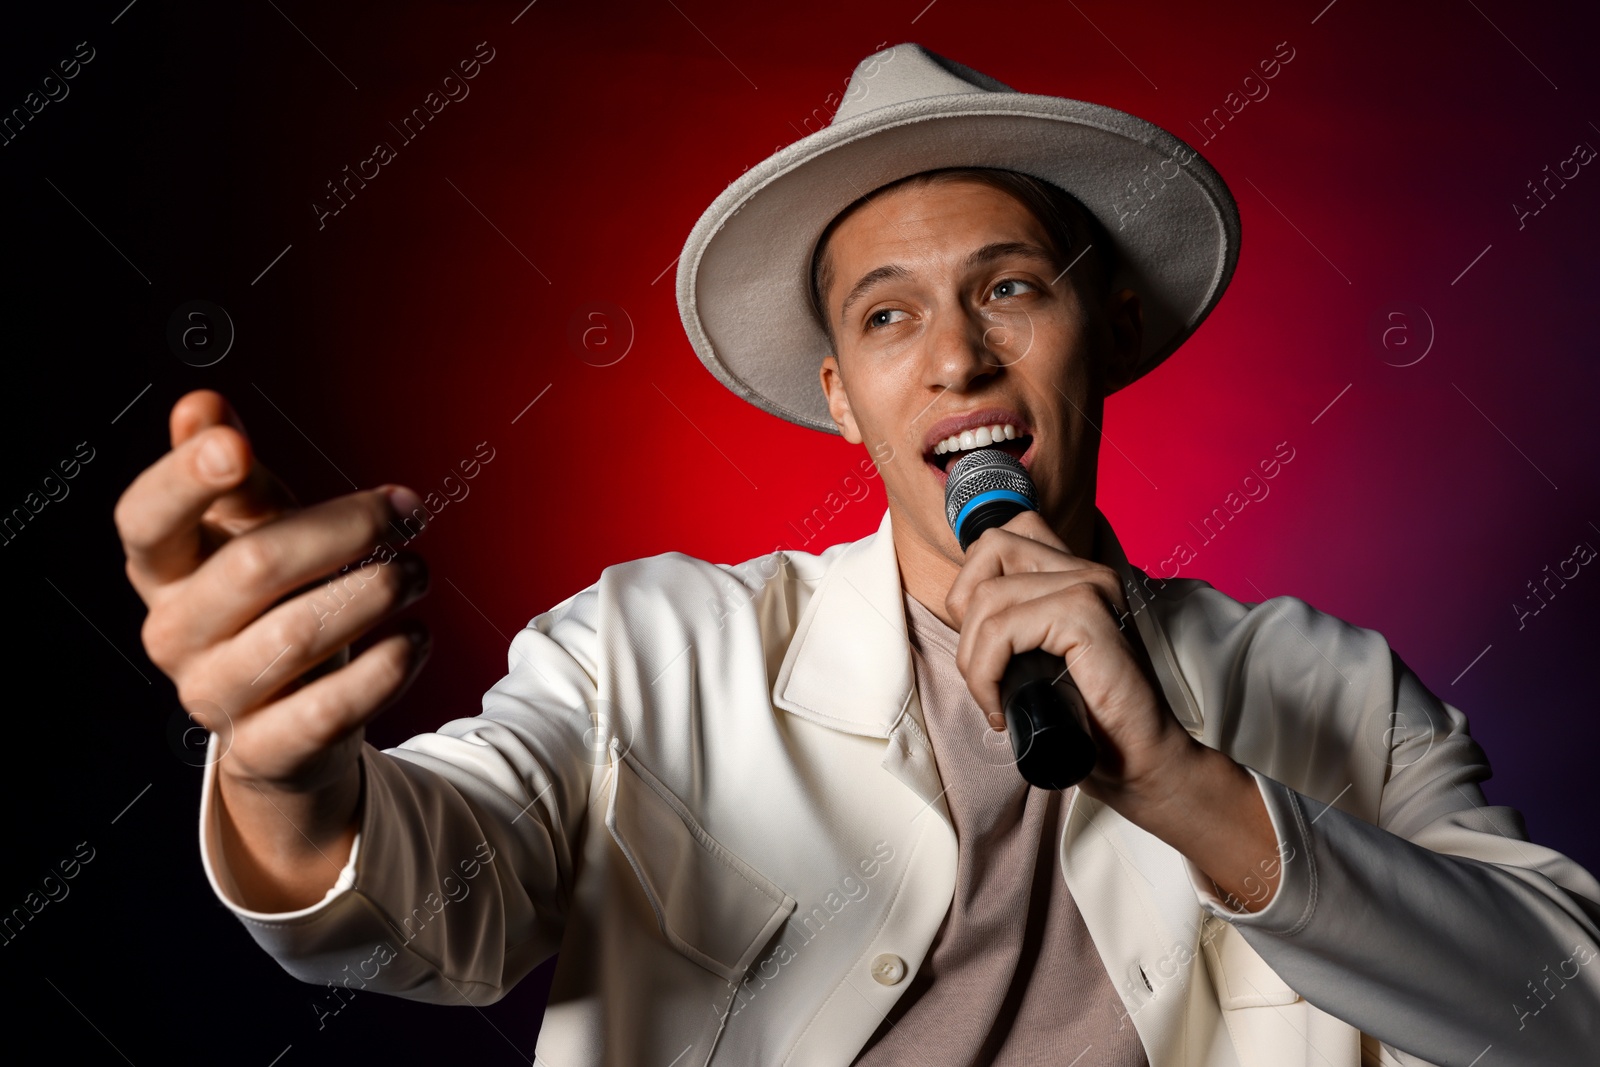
(1046, 718)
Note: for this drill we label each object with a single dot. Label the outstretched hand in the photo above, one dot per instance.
(234, 573)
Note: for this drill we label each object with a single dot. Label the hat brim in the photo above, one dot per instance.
(742, 281)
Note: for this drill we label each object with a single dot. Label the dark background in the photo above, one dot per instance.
(1439, 467)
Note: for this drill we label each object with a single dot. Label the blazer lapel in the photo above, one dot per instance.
(848, 667)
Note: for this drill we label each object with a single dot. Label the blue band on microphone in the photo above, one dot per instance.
(989, 497)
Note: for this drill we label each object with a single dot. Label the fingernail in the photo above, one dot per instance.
(403, 500)
(214, 459)
(997, 722)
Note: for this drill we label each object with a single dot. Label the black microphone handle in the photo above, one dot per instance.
(1047, 721)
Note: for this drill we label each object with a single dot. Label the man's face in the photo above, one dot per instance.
(967, 322)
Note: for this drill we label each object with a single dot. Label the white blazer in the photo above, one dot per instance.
(710, 788)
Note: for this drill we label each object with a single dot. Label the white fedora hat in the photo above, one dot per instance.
(744, 275)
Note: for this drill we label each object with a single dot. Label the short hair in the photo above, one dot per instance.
(1070, 227)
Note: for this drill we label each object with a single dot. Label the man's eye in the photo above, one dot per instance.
(1010, 286)
(880, 318)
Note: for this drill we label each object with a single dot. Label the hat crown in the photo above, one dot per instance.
(907, 72)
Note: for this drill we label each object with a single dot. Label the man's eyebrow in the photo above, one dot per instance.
(987, 254)
(1001, 249)
(870, 279)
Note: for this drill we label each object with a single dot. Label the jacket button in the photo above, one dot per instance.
(888, 969)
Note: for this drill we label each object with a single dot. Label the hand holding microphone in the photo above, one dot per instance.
(1045, 714)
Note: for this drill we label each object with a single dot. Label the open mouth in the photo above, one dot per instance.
(945, 452)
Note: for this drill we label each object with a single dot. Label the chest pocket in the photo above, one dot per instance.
(710, 905)
(1269, 1023)
(1241, 977)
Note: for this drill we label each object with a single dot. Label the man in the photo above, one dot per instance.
(756, 808)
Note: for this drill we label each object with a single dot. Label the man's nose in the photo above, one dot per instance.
(964, 349)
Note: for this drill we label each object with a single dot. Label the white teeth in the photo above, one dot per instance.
(979, 438)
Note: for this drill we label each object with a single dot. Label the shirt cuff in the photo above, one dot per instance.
(222, 880)
(1291, 907)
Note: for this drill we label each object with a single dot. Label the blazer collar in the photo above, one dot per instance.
(848, 665)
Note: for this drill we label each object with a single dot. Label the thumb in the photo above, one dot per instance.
(199, 410)
(261, 496)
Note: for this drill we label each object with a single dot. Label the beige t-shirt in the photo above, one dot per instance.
(1013, 978)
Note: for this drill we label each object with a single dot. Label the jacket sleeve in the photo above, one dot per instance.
(460, 877)
(1438, 928)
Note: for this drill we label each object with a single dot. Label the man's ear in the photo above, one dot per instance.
(839, 400)
(1125, 321)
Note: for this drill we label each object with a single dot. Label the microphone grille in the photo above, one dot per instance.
(984, 470)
